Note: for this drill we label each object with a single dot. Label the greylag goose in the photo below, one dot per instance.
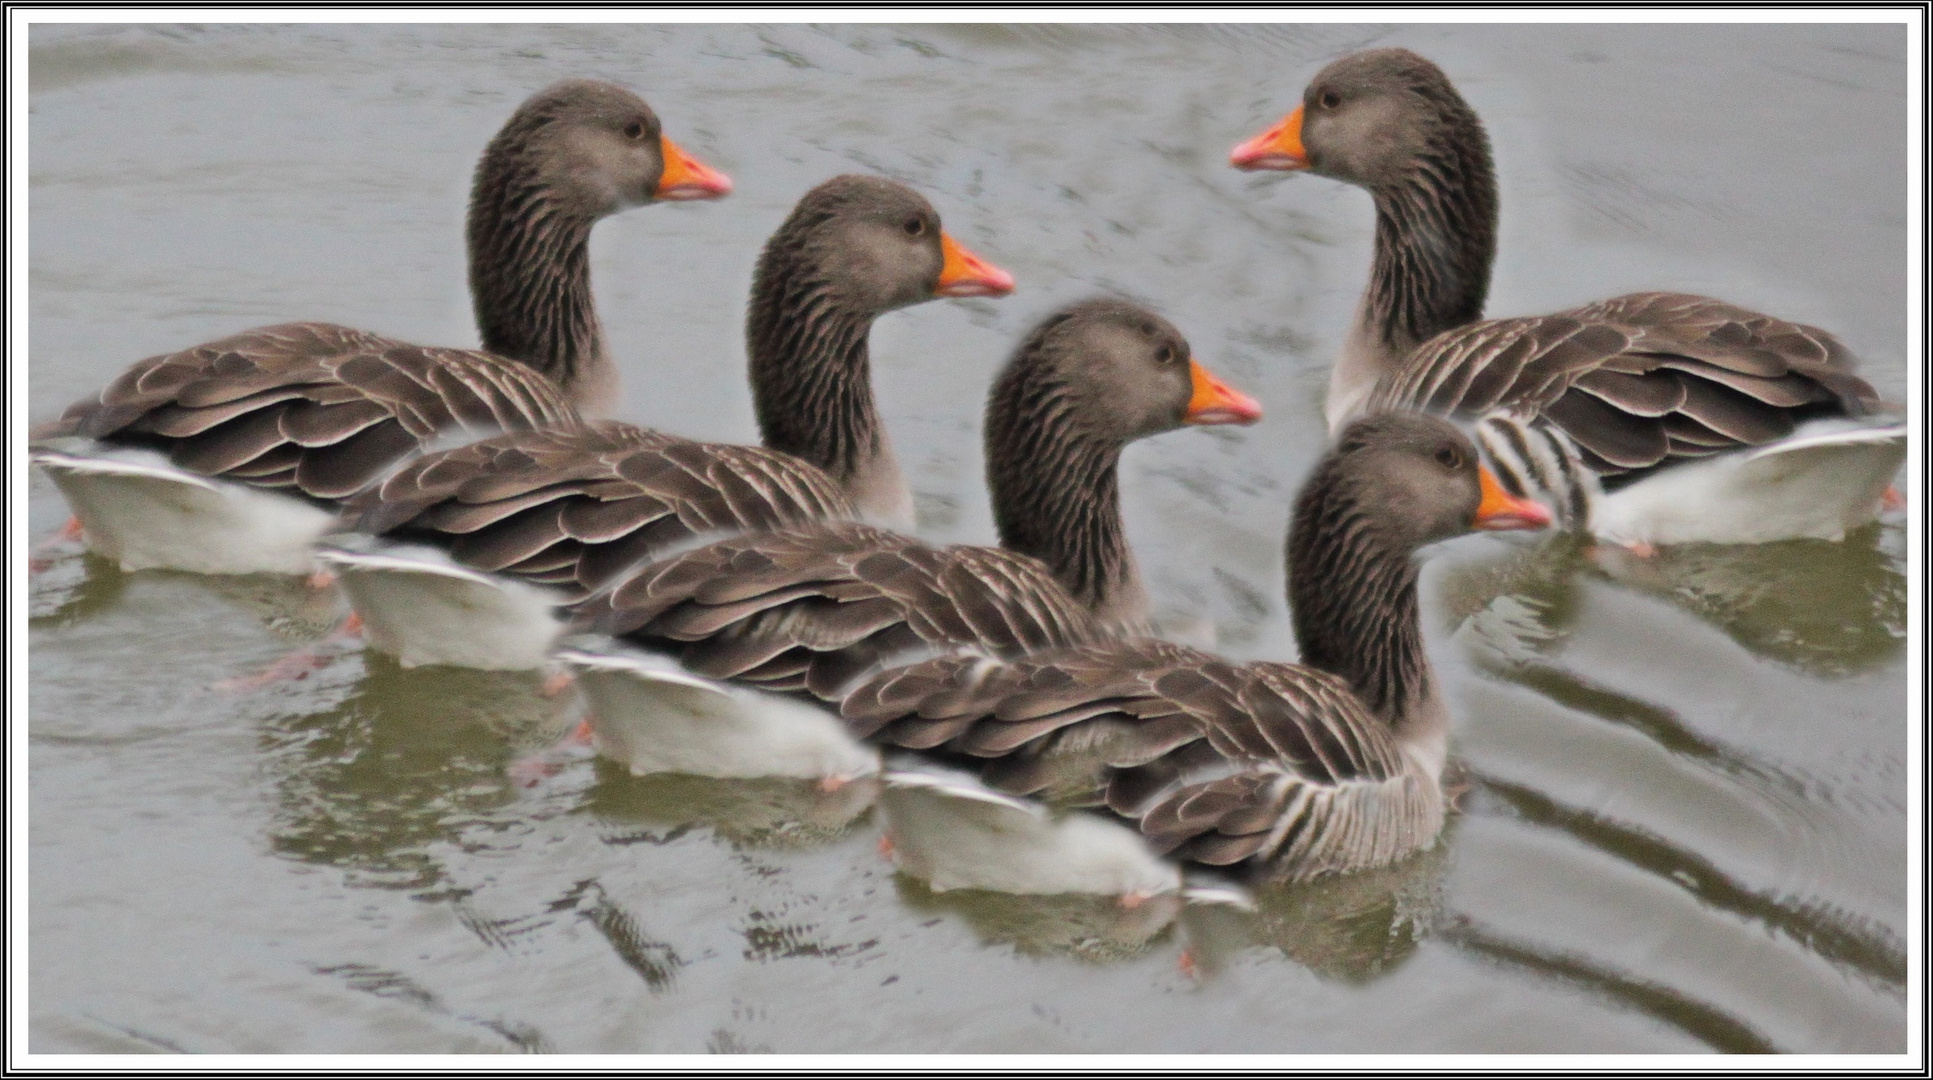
(811, 606)
(1645, 419)
(188, 459)
(566, 509)
(1293, 770)
(795, 608)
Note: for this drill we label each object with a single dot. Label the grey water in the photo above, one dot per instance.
(1685, 828)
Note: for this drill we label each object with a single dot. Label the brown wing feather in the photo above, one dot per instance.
(617, 493)
(847, 593)
(1623, 377)
(1216, 762)
(353, 403)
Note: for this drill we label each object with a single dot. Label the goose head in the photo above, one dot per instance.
(595, 149)
(877, 246)
(1371, 119)
(1419, 481)
(1085, 383)
(1120, 372)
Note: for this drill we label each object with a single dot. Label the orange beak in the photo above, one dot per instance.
(1502, 510)
(962, 273)
(1216, 402)
(1279, 148)
(685, 177)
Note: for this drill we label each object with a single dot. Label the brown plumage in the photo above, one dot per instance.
(319, 410)
(1305, 769)
(812, 608)
(572, 508)
(1638, 382)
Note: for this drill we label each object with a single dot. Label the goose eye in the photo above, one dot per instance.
(1329, 99)
(1448, 457)
(915, 226)
(634, 130)
(1166, 355)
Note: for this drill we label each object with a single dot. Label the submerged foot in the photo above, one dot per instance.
(296, 665)
(69, 532)
(532, 769)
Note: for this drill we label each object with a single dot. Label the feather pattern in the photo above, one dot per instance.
(599, 498)
(841, 595)
(340, 405)
(1632, 386)
(320, 411)
(1304, 769)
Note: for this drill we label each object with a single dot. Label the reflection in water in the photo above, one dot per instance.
(1854, 944)
(767, 812)
(1353, 928)
(1357, 927)
(656, 962)
(1827, 608)
(1082, 925)
(408, 760)
(1702, 1021)
(82, 585)
(73, 589)
(395, 986)
(1823, 607)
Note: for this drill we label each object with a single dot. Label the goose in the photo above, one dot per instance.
(947, 828)
(804, 608)
(1651, 418)
(499, 533)
(1285, 771)
(227, 457)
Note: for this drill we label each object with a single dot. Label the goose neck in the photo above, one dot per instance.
(1353, 602)
(811, 376)
(1056, 495)
(530, 282)
(1435, 243)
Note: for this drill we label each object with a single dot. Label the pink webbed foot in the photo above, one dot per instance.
(529, 770)
(69, 532)
(296, 665)
(832, 784)
(557, 682)
(532, 770)
(1130, 901)
(1185, 963)
(886, 845)
(1892, 500)
(320, 580)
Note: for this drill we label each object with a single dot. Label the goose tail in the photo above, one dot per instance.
(144, 512)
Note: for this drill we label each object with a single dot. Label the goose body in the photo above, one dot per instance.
(950, 830)
(653, 717)
(314, 412)
(809, 608)
(422, 607)
(1291, 770)
(571, 508)
(1596, 411)
(142, 511)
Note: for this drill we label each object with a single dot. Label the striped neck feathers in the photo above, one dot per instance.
(1056, 492)
(811, 375)
(1353, 600)
(530, 276)
(1436, 238)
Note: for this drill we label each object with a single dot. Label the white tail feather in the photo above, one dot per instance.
(145, 513)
